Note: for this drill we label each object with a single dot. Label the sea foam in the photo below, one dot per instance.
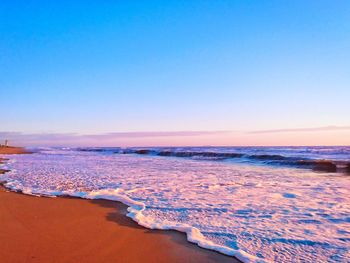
(257, 214)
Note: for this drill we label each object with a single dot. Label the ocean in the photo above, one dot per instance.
(259, 204)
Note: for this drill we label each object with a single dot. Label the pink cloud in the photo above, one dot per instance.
(114, 138)
(314, 129)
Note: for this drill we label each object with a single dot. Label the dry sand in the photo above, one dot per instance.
(70, 230)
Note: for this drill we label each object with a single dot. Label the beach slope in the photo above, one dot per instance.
(40, 229)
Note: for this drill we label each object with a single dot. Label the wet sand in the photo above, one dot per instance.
(70, 230)
(67, 230)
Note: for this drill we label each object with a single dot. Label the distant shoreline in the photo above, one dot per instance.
(10, 150)
(13, 150)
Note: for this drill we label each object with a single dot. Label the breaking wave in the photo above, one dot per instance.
(318, 163)
(255, 213)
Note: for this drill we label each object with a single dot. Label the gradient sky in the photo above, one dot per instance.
(185, 72)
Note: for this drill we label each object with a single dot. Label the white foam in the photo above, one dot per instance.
(256, 214)
(135, 212)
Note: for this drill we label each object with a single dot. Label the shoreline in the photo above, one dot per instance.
(99, 231)
(13, 150)
(35, 230)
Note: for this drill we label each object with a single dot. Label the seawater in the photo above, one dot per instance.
(258, 213)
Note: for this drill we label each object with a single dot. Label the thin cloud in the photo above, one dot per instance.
(154, 134)
(313, 129)
(85, 139)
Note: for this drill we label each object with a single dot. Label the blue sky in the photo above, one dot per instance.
(162, 66)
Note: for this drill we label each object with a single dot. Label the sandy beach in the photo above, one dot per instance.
(43, 229)
(40, 229)
(13, 150)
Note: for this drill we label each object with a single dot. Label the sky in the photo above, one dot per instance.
(142, 73)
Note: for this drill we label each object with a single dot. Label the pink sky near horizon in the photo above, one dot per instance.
(330, 138)
(322, 137)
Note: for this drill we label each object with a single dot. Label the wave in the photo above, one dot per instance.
(205, 209)
(135, 210)
(320, 165)
(97, 149)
